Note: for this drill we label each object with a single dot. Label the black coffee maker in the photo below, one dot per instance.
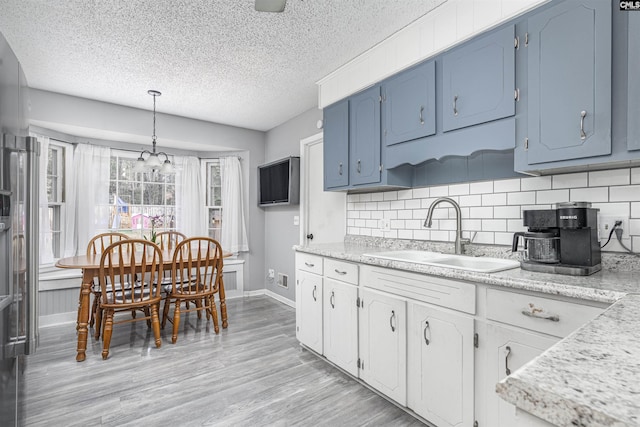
(563, 240)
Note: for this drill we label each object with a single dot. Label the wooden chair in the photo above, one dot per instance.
(97, 245)
(195, 276)
(168, 240)
(119, 264)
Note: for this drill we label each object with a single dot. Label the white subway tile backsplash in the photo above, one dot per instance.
(552, 196)
(496, 199)
(628, 193)
(506, 212)
(390, 195)
(473, 200)
(481, 187)
(570, 180)
(535, 183)
(494, 225)
(522, 198)
(593, 195)
(506, 185)
(609, 177)
(421, 193)
(458, 189)
(492, 210)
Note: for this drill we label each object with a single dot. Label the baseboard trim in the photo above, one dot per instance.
(58, 319)
(271, 294)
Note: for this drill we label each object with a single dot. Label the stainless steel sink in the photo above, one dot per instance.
(460, 262)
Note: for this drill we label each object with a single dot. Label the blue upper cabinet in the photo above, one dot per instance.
(409, 105)
(569, 82)
(633, 100)
(478, 81)
(364, 137)
(336, 145)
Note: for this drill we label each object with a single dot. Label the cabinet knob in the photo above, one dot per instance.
(310, 236)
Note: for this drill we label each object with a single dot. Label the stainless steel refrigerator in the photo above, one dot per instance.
(18, 268)
(19, 157)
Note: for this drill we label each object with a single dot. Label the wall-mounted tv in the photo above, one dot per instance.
(279, 182)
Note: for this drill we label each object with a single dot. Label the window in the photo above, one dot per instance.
(140, 203)
(213, 179)
(57, 168)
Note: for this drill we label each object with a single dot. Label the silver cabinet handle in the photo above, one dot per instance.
(426, 326)
(455, 106)
(332, 299)
(506, 360)
(308, 264)
(313, 294)
(391, 319)
(358, 166)
(342, 273)
(537, 313)
(583, 114)
(340, 169)
(421, 111)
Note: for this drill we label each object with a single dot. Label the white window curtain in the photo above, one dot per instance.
(46, 244)
(91, 172)
(233, 236)
(190, 218)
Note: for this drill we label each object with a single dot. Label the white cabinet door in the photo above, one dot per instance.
(508, 350)
(440, 365)
(341, 325)
(309, 310)
(383, 340)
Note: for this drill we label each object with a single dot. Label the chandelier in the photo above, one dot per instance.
(153, 162)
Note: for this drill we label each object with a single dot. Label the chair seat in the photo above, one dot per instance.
(97, 289)
(139, 294)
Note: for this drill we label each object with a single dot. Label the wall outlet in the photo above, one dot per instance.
(283, 280)
(384, 224)
(606, 223)
(271, 274)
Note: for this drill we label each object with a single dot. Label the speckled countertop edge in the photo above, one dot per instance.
(574, 382)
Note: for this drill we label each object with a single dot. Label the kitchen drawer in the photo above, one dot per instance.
(545, 315)
(447, 293)
(340, 270)
(308, 262)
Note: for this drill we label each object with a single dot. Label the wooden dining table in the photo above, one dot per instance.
(90, 265)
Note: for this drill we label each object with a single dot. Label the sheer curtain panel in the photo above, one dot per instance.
(91, 173)
(234, 233)
(190, 218)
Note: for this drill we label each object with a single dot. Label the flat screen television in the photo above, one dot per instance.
(279, 182)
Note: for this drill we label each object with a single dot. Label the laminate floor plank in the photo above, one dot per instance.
(254, 373)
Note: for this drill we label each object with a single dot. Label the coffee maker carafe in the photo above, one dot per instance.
(563, 240)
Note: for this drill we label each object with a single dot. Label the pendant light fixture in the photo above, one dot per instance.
(153, 162)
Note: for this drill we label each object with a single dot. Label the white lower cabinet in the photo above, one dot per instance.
(508, 349)
(309, 310)
(341, 324)
(383, 343)
(440, 369)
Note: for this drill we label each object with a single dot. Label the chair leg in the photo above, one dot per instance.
(214, 314)
(155, 321)
(98, 323)
(198, 304)
(147, 314)
(92, 314)
(108, 329)
(165, 311)
(176, 322)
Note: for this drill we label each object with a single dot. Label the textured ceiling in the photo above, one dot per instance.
(214, 60)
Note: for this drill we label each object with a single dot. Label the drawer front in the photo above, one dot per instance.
(340, 270)
(447, 293)
(545, 315)
(308, 262)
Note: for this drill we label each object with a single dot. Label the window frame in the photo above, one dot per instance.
(204, 167)
(63, 190)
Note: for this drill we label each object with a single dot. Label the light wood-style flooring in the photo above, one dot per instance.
(253, 374)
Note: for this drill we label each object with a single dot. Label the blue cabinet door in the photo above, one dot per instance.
(633, 108)
(336, 145)
(478, 81)
(364, 137)
(569, 82)
(409, 105)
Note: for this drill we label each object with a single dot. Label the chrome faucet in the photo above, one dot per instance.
(459, 240)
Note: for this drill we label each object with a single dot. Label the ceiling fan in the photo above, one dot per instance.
(270, 5)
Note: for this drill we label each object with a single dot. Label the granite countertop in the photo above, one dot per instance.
(592, 377)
